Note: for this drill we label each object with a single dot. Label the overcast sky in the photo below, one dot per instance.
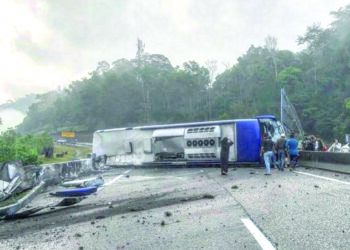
(46, 44)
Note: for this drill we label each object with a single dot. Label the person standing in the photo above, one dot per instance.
(224, 154)
(336, 146)
(267, 149)
(281, 151)
(292, 145)
(319, 145)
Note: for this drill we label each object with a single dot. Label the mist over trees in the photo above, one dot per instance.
(150, 90)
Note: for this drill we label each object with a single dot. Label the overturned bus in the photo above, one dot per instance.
(195, 143)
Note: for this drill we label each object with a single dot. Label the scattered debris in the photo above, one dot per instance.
(316, 186)
(10, 188)
(91, 182)
(92, 222)
(252, 172)
(336, 175)
(24, 214)
(75, 192)
(69, 201)
(208, 196)
(127, 176)
(168, 214)
(100, 217)
(234, 187)
(279, 185)
(77, 235)
(162, 223)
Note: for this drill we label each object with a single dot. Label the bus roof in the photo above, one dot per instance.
(187, 125)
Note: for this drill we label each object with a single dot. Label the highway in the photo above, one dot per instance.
(195, 208)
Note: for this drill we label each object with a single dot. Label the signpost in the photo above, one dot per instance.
(68, 134)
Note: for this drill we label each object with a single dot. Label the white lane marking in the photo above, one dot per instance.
(117, 178)
(114, 180)
(258, 235)
(322, 177)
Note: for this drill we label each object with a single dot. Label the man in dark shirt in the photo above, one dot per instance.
(224, 154)
(267, 149)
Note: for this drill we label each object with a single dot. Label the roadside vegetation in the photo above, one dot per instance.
(27, 148)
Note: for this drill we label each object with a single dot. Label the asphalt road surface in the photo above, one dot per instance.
(194, 208)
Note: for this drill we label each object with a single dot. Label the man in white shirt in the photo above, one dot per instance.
(336, 146)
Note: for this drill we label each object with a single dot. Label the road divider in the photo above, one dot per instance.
(338, 162)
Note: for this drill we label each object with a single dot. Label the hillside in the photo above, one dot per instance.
(21, 104)
(150, 90)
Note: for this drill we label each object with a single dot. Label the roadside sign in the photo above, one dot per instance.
(347, 138)
(68, 134)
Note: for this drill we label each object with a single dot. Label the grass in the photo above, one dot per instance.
(13, 199)
(72, 152)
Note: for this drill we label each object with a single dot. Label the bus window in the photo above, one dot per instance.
(271, 128)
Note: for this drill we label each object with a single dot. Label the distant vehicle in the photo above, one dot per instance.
(61, 141)
(186, 143)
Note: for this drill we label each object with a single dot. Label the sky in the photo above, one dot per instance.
(48, 44)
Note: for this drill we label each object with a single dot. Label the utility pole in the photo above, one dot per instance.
(139, 54)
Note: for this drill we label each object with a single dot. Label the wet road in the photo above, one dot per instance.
(193, 208)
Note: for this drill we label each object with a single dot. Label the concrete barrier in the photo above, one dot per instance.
(339, 162)
(54, 173)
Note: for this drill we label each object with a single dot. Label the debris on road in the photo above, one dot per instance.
(96, 181)
(316, 186)
(69, 201)
(75, 192)
(234, 187)
(28, 212)
(208, 196)
(168, 214)
(15, 178)
(162, 223)
(10, 188)
(24, 214)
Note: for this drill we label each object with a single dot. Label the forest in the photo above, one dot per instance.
(148, 89)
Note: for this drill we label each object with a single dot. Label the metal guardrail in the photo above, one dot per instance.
(338, 162)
